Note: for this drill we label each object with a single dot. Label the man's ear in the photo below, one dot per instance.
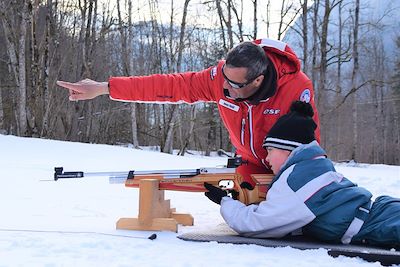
(259, 80)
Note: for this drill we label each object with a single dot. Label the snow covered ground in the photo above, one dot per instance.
(72, 222)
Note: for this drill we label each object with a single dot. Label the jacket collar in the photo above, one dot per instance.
(304, 152)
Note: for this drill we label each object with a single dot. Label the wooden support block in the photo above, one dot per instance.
(156, 224)
(183, 218)
(155, 212)
(151, 202)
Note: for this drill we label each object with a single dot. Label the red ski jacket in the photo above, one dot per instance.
(247, 124)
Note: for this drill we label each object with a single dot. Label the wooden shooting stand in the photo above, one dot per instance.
(155, 212)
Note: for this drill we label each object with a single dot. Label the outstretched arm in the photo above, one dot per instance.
(85, 89)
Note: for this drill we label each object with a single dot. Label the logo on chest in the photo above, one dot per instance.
(213, 73)
(305, 96)
(271, 111)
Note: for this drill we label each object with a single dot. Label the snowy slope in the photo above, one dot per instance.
(72, 222)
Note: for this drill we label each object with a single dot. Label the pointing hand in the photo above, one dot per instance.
(85, 89)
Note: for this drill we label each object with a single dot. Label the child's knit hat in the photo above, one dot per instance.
(292, 129)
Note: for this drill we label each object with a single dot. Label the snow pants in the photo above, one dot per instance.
(382, 226)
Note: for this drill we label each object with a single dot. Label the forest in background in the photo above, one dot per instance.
(346, 47)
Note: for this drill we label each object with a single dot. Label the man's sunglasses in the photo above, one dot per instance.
(236, 85)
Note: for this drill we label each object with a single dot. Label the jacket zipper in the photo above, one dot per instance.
(250, 116)
(265, 164)
(242, 131)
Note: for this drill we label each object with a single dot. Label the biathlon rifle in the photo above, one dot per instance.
(189, 180)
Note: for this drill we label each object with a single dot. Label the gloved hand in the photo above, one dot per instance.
(215, 194)
(246, 185)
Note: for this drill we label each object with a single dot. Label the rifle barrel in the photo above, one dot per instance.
(117, 177)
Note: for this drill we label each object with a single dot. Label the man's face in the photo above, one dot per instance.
(276, 157)
(234, 75)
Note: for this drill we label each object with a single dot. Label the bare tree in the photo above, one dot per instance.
(16, 47)
(22, 115)
(225, 21)
(126, 36)
(45, 69)
(338, 93)
(396, 94)
(2, 130)
(186, 139)
(288, 14)
(133, 106)
(355, 79)
(268, 13)
(378, 92)
(168, 146)
(10, 41)
(304, 20)
(255, 19)
(239, 18)
(328, 6)
(315, 50)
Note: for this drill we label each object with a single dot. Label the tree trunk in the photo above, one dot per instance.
(255, 19)
(288, 14)
(188, 136)
(127, 62)
(281, 19)
(239, 18)
(305, 35)
(46, 70)
(169, 139)
(168, 146)
(81, 55)
(11, 52)
(315, 66)
(16, 45)
(35, 102)
(212, 132)
(2, 130)
(324, 52)
(355, 80)
(134, 126)
(133, 106)
(227, 23)
(22, 112)
(396, 125)
(87, 64)
(181, 36)
(268, 13)
(338, 93)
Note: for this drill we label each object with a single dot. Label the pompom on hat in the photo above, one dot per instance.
(293, 129)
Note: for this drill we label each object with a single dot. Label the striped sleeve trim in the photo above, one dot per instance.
(313, 186)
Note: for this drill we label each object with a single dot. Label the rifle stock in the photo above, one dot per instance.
(227, 181)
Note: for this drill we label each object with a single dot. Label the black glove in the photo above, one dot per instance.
(246, 185)
(215, 194)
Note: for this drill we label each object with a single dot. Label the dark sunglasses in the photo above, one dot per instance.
(236, 85)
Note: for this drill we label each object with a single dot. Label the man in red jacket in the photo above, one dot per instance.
(253, 87)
